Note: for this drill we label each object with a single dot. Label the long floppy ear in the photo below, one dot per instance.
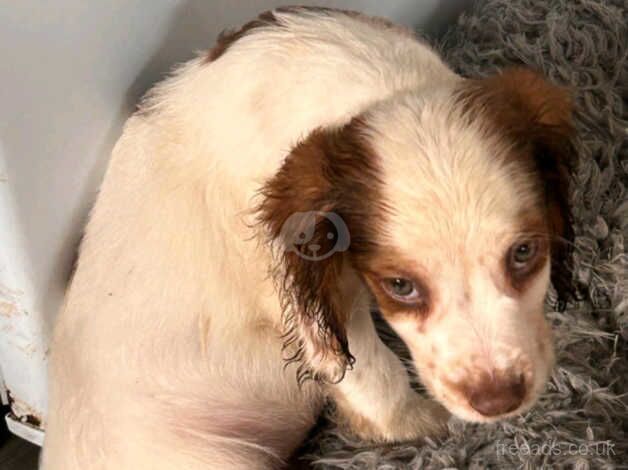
(537, 116)
(312, 208)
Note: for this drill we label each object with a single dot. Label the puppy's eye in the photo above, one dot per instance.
(401, 289)
(521, 253)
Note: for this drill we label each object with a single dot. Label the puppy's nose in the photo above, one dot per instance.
(497, 395)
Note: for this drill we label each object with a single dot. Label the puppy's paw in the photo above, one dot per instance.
(415, 419)
(420, 418)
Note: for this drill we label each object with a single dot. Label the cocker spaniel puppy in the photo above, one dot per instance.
(256, 205)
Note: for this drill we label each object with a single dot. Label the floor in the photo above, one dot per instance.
(18, 454)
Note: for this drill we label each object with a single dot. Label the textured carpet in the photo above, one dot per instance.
(581, 420)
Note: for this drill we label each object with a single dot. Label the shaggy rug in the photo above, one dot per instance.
(581, 420)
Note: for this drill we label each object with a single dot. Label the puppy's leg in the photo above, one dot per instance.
(375, 399)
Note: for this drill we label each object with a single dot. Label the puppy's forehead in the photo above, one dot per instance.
(447, 178)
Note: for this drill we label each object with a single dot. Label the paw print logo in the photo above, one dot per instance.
(315, 235)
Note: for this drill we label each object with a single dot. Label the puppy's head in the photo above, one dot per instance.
(455, 203)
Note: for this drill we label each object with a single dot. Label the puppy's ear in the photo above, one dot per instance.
(537, 116)
(311, 209)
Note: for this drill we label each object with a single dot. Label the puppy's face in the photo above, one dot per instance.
(481, 346)
(461, 260)
(454, 200)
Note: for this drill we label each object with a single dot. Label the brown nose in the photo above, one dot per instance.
(497, 395)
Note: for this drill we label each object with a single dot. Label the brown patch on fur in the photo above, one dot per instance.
(519, 280)
(535, 116)
(376, 21)
(268, 19)
(391, 307)
(533, 228)
(228, 37)
(383, 262)
(331, 171)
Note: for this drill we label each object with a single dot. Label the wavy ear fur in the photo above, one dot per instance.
(316, 210)
(537, 116)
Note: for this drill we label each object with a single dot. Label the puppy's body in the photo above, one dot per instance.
(168, 351)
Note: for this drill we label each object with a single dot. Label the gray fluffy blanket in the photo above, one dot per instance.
(582, 419)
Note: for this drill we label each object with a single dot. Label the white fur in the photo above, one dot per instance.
(167, 354)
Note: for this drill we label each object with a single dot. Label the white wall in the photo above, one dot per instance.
(70, 73)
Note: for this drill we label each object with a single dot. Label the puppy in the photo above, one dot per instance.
(258, 202)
